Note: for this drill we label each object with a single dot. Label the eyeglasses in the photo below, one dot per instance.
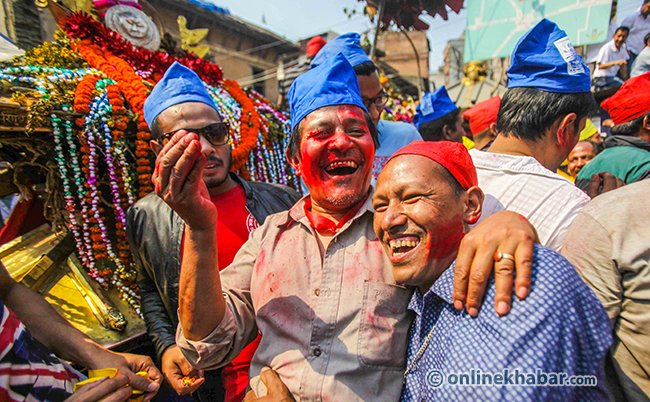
(379, 101)
(217, 134)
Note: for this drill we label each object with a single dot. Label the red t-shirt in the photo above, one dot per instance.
(234, 223)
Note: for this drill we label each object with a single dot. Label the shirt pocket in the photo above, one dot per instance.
(383, 331)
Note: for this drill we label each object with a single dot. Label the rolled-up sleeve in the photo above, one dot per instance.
(237, 328)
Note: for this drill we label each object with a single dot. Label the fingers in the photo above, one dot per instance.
(503, 280)
(108, 390)
(609, 182)
(594, 186)
(480, 271)
(524, 262)
(181, 169)
(250, 396)
(461, 273)
(196, 174)
(167, 158)
(142, 383)
(274, 385)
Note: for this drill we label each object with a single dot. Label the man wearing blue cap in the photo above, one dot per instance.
(180, 101)
(313, 280)
(392, 135)
(539, 122)
(437, 117)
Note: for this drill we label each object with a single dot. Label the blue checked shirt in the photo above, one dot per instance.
(560, 328)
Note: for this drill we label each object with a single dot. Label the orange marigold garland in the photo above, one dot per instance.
(250, 123)
(135, 92)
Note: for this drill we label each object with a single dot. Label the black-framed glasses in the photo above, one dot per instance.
(379, 101)
(217, 134)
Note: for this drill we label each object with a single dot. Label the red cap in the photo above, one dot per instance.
(453, 156)
(483, 114)
(631, 101)
(314, 45)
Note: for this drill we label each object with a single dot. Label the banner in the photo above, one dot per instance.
(495, 26)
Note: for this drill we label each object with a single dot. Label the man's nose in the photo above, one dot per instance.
(393, 218)
(340, 140)
(206, 147)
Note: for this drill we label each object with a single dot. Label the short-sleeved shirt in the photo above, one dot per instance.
(560, 328)
(521, 184)
(607, 54)
(393, 135)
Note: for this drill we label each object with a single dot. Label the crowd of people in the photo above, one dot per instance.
(412, 269)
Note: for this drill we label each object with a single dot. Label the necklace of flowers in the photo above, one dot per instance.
(71, 206)
(249, 125)
(277, 131)
(135, 92)
(95, 125)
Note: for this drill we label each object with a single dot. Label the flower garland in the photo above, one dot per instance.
(82, 26)
(249, 125)
(135, 92)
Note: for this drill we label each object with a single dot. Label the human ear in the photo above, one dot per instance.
(155, 146)
(566, 131)
(473, 205)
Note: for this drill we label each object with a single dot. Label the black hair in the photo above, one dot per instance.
(630, 128)
(528, 113)
(646, 38)
(155, 130)
(365, 68)
(432, 130)
(296, 134)
(623, 28)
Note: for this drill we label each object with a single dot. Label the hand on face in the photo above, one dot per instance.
(178, 181)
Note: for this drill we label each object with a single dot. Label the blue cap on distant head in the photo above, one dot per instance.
(545, 59)
(178, 85)
(331, 83)
(348, 44)
(433, 106)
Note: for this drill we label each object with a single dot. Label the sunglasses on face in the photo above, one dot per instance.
(379, 101)
(217, 134)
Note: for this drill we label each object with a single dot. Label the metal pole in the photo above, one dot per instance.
(380, 16)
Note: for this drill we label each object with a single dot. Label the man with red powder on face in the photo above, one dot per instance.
(314, 280)
(428, 193)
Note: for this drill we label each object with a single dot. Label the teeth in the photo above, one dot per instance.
(339, 164)
(394, 244)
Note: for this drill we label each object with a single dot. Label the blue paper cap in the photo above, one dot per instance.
(348, 44)
(433, 106)
(331, 83)
(178, 85)
(545, 59)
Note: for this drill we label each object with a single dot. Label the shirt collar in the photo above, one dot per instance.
(297, 212)
(443, 288)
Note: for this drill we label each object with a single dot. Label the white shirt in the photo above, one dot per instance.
(521, 184)
(609, 53)
(639, 26)
(393, 135)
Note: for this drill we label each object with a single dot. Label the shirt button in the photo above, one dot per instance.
(316, 351)
(317, 292)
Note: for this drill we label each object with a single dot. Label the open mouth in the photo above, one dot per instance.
(403, 245)
(341, 168)
(211, 165)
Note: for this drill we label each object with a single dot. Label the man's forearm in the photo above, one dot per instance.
(49, 328)
(200, 300)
